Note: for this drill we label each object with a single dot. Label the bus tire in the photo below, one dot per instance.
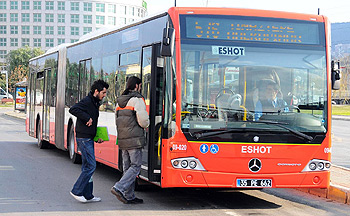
(74, 157)
(42, 144)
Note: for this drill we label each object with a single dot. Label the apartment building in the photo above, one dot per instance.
(48, 23)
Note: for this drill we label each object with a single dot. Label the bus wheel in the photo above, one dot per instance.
(42, 144)
(74, 157)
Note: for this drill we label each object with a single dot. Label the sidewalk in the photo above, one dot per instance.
(339, 189)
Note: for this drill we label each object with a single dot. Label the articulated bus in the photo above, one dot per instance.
(201, 70)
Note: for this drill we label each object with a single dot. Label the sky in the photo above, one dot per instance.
(335, 10)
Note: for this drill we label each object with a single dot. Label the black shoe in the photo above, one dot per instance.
(119, 195)
(135, 201)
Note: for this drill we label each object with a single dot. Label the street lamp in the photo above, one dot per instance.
(7, 82)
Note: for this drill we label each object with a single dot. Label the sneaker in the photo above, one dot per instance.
(79, 198)
(119, 195)
(135, 201)
(95, 199)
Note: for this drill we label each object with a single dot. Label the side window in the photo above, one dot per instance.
(129, 65)
(109, 68)
(39, 96)
(146, 73)
(72, 79)
(84, 78)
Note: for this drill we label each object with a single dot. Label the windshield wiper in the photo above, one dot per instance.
(279, 124)
(295, 132)
(198, 135)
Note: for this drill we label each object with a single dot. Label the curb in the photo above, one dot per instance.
(15, 115)
(333, 192)
(344, 118)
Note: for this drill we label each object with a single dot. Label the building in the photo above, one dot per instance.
(48, 23)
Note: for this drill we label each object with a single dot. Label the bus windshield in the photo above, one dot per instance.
(242, 85)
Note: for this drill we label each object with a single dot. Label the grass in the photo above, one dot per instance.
(340, 109)
(6, 104)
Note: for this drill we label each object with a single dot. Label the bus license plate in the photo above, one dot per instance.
(258, 183)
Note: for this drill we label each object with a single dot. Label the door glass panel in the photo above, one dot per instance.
(146, 92)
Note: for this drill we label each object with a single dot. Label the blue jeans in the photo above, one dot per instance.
(132, 160)
(84, 185)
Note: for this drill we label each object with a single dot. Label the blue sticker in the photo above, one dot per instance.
(214, 148)
(204, 148)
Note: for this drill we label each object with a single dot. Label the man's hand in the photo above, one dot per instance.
(100, 140)
(89, 123)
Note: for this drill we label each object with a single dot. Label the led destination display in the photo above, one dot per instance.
(204, 27)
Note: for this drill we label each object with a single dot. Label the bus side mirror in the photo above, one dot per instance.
(335, 75)
(167, 48)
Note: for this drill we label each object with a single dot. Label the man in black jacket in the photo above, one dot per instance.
(87, 112)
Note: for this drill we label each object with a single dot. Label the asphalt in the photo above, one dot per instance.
(339, 189)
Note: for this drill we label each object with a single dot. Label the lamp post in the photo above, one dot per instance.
(7, 82)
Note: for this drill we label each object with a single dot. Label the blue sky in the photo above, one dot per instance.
(336, 10)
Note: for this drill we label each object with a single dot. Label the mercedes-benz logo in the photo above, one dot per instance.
(254, 165)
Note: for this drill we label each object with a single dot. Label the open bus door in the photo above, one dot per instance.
(46, 104)
(31, 111)
(152, 86)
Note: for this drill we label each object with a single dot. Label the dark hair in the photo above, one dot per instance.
(99, 85)
(131, 84)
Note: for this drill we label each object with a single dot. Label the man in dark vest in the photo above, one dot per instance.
(87, 112)
(131, 118)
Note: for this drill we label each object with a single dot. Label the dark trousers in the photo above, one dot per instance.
(84, 185)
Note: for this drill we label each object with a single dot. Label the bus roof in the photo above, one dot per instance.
(100, 33)
(189, 10)
(249, 12)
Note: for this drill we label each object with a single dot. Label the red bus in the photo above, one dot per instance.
(202, 71)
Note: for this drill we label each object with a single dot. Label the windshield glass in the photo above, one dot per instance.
(234, 85)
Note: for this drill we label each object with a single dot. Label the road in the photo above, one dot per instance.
(37, 182)
(341, 143)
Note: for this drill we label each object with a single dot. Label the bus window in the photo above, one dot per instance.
(146, 73)
(109, 67)
(72, 79)
(129, 66)
(229, 86)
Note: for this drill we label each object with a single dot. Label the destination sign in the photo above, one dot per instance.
(238, 29)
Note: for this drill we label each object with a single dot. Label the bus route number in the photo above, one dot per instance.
(179, 147)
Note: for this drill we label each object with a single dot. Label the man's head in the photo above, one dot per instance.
(99, 89)
(268, 89)
(134, 83)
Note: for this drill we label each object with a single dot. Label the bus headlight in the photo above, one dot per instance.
(189, 163)
(184, 163)
(175, 163)
(312, 166)
(193, 164)
(317, 165)
(320, 165)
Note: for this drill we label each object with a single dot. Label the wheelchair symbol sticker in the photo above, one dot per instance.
(204, 148)
(214, 149)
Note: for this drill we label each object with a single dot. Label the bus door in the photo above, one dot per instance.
(152, 84)
(31, 103)
(39, 99)
(46, 104)
(84, 78)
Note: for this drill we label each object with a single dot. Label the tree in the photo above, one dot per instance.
(17, 64)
